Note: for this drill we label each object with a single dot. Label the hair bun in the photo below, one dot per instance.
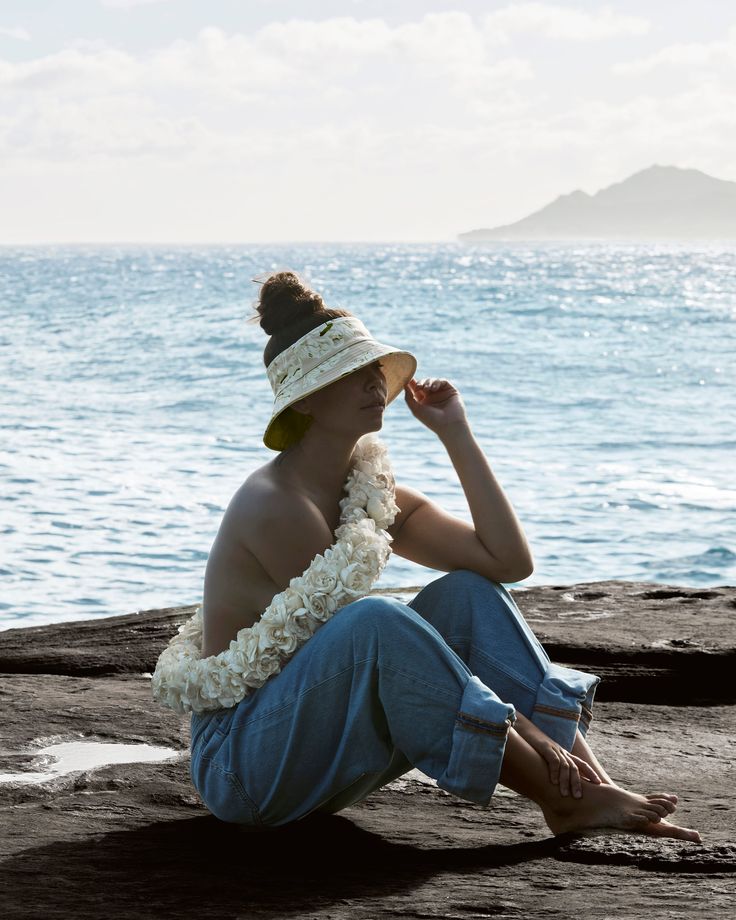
(285, 300)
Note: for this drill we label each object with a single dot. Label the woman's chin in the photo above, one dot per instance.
(377, 424)
(374, 422)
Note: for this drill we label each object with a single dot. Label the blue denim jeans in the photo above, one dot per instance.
(379, 689)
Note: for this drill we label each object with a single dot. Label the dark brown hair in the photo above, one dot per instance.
(287, 309)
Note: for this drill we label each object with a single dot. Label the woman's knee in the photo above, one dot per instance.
(460, 584)
(451, 601)
(377, 608)
(467, 579)
(380, 615)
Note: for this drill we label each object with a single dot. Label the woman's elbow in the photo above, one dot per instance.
(520, 570)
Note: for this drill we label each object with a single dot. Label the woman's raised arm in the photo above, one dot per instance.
(501, 538)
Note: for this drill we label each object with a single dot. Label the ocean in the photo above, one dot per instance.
(597, 377)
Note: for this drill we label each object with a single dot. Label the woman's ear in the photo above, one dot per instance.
(301, 406)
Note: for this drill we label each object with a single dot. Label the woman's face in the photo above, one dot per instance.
(348, 405)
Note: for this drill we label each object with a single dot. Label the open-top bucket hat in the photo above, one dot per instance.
(325, 354)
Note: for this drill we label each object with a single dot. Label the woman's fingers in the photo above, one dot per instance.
(573, 785)
(432, 383)
(576, 784)
(564, 776)
(564, 772)
(553, 762)
(585, 769)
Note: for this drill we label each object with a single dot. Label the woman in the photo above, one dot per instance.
(454, 683)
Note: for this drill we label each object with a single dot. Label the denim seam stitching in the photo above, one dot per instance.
(473, 724)
(494, 663)
(472, 718)
(247, 800)
(564, 713)
(414, 677)
(334, 794)
(496, 733)
(512, 675)
(291, 702)
(215, 766)
(234, 781)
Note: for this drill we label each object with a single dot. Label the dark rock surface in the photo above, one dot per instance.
(134, 839)
(658, 643)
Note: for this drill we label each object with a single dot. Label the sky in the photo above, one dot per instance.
(178, 121)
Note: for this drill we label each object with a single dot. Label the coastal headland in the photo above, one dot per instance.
(133, 839)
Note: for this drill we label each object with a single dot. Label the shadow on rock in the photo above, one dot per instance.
(200, 868)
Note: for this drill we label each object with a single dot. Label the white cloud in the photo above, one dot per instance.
(75, 70)
(248, 94)
(562, 22)
(684, 55)
(18, 32)
(345, 127)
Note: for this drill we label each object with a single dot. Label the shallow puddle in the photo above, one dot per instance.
(73, 756)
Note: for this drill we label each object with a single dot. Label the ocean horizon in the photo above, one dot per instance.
(598, 378)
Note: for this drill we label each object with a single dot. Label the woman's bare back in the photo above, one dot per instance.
(238, 586)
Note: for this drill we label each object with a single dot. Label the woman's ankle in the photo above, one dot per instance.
(525, 771)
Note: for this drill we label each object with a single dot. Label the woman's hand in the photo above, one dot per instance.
(565, 769)
(435, 402)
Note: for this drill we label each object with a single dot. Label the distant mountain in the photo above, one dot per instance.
(661, 202)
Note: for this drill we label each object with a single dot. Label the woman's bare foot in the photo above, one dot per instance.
(653, 795)
(610, 806)
(665, 829)
(664, 795)
(603, 805)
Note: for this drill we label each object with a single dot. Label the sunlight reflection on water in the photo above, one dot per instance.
(598, 380)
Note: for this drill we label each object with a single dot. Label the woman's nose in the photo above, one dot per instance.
(377, 382)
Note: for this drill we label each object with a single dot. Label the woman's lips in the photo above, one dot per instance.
(377, 406)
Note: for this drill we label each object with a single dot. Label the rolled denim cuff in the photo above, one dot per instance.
(478, 743)
(564, 704)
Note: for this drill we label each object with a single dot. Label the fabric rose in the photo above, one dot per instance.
(322, 605)
(321, 576)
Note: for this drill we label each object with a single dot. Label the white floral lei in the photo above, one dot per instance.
(185, 681)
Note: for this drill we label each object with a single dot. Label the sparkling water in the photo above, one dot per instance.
(598, 379)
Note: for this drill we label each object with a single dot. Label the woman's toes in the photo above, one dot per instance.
(671, 797)
(665, 829)
(667, 804)
(656, 814)
(646, 817)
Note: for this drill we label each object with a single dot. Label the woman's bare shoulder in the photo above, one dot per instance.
(259, 485)
(262, 494)
(267, 504)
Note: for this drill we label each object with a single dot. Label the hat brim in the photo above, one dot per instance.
(287, 426)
